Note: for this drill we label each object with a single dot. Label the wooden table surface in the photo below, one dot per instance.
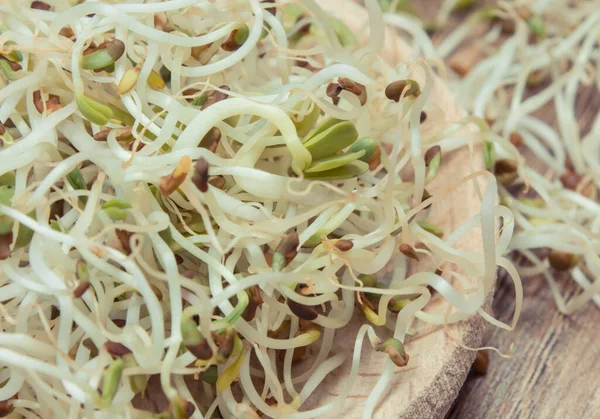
(555, 368)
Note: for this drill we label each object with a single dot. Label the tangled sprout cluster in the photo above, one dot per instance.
(532, 59)
(207, 191)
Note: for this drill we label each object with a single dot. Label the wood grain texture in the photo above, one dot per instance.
(554, 370)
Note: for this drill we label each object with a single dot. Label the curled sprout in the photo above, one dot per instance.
(216, 189)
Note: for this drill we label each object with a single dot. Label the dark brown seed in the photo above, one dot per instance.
(230, 45)
(187, 410)
(178, 259)
(301, 311)
(270, 9)
(408, 251)
(505, 166)
(335, 100)
(120, 323)
(6, 408)
(439, 272)
(422, 117)
(375, 158)
(255, 300)
(431, 153)
(350, 86)
(66, 31)
(124, 237)
(271, 402)
(288, 244)
(394, 90)
(116, 350)
(480, 365)
(200, 177)
(516, 139)
(5, 242)
(37, 101)
(211, 140)
(570, 180)
(562, 261)
(81, 289)
(201, 350)
(216, 96)
(115, 49)
(14, 66)
(40, 5)
(344, 245)
(2, 129)
(225, 343)
(103, 135)
(304, 29)
(189, 92)
(333, 90)
(138, 147)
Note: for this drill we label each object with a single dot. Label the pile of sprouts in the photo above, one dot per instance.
(531, 57)
(205, 192)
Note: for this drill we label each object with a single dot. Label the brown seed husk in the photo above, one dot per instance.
(37, 101)
(14, 66)
(225, 343)
(516, 139)
(200, 177)
(115, 49)
(201, 350)
(40, 5)
(6, 408)
(301, 311)
(409, 251)
(505, 166)
(216, 96)
(66, 31)
(81, 289)
(375, 158)
(255, 300)
(333, 90)
(116, 350)
(124, 237)
(394, 90)
(211, 140)
(5, 242)
(562, 261)
(169, 183)
(123, 134)
(344, 245)
(570, 180)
